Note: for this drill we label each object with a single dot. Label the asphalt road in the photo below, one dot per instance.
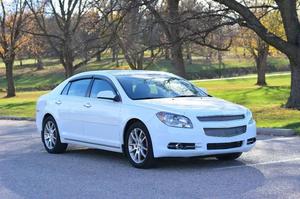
(271, 170)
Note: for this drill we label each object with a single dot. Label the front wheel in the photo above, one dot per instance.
(51, 138)
(230, 156)
(138, 146)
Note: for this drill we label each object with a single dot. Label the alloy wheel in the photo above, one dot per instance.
(138, 145)
(50, 134)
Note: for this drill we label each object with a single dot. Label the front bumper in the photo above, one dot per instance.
(162, 136)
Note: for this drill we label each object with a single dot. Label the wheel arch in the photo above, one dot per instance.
(46, 116)
(127, 125)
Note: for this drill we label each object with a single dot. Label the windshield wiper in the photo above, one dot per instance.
(187, 96)
(144, 98)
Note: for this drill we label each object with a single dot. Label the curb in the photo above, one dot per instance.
(17, 118)
(276, 132)
(260, 131)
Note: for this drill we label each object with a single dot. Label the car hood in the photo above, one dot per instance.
(198, 106)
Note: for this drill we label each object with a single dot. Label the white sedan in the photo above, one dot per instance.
(144, 114)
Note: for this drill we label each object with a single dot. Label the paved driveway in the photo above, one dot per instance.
(271, 170)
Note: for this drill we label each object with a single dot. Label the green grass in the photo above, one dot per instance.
(265, 102)
(23, 105)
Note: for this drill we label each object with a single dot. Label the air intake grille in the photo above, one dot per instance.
(225, 132)
(228, 145)
(217, 118)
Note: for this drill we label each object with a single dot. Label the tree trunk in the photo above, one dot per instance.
(69, 70)
(39, 64)
(188, 54)
(68, 65)
(98, 57)
(174, 38)
(260, 55)
(220, 63)
(294, 99)
(11, 91)
(67, 57)
(261, 65)
(167, 54)
(152, 52)
(113, 50)
(177, 59)
(117, 59)
(140, 61)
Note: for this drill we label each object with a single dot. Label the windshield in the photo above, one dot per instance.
(139, 87)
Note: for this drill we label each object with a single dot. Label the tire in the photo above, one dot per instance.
(230, 156)
(51, 138)
(138, 146)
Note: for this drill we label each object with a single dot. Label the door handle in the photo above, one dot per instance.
(58, 102)
(87, 105)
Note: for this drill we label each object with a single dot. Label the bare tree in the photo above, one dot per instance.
(61, 23)
(172, 32)
(130, 35)
(183, 24)
(33, 46)
(12, 19)
(289, 46)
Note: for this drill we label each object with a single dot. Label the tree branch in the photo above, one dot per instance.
(253, 23)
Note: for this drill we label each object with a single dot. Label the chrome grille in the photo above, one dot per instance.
(217, 118)
(225, 132)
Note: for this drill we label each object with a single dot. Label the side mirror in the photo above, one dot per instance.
(109, 95)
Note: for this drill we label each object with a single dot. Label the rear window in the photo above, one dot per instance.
(79, 87)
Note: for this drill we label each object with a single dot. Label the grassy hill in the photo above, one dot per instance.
(27, 78)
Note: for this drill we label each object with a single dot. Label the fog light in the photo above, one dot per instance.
(181, 146)
(251, 141)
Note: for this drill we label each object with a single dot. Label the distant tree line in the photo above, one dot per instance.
(76, 31)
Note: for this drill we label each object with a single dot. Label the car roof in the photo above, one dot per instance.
(125, 72)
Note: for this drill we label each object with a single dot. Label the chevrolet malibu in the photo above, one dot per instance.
(143, 114)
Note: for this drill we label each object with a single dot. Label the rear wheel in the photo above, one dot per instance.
(230, 156)
(51, 138)
(138, 146)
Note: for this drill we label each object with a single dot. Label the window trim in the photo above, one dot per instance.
(92, 78)
(109, 81)
(69, 84)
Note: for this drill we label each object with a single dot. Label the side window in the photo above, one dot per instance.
(66, 89)
(100, 85)
(79, 87)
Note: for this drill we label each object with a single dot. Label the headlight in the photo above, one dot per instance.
(249, 115)
(174, 120)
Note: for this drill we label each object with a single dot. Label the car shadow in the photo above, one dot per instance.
(160, 163)
(28, 171)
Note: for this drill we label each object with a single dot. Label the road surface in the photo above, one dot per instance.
(271, 170)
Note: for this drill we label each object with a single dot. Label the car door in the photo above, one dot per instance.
(103, 118)
(71, 107)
